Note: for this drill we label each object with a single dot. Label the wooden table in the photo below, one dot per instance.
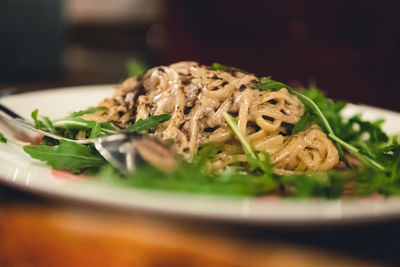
(37, 231)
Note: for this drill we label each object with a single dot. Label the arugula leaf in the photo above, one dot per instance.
(304, 122)
(34, 116)
(326, 184)
(218, 66)
(48, 124)
(135, 67)
(389, 156)
(190, 178)
(371, 180)
(44, 124)
(267, 84)
(205, 154)
(95, 132)
(252, 157)
(355, 130)
(235, 129)
(106, 127)
(149, 124)
(77, 123)
(39, 124)
(69, 133)
(86, 111)
(313, 107)
(230, 69)
(3, 139)
(69, 127)
(67, 156)
(331, 109)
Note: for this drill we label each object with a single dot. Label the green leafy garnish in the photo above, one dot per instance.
(304, 122)
(390, 158)
(191, 178)
(67, 156)
(206, 154)
(135, 67)
(34, 116)
(86, 111)
(267, 84)
(252, 156)
(326, 184)
(230, 69)
(331, 109)
(264, 165)
(95, 132)
(69, 126)
(218, 66)
(44, 123)
(149, 124)
(3, 139)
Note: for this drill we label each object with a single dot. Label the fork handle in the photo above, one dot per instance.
(18, 127)
(10, 113)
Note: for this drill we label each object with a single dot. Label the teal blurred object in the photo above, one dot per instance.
(31, 34)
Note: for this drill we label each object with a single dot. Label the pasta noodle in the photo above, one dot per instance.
(197, 97)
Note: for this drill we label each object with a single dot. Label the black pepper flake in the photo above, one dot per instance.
(215, 77)
(268, 118)
(234, 114)
(187, 81)
(224, 83)
(187, 110)
(160, 69)
(215, 88)
(254, 81)
(210, 129)
(242, 87)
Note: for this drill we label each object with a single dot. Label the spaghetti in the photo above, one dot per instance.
(197, 97)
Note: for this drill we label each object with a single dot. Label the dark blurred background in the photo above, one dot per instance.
(351, 49)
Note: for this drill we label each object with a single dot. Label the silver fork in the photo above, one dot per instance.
(124, 151)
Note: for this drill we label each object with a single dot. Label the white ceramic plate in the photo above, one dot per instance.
(19, 170)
